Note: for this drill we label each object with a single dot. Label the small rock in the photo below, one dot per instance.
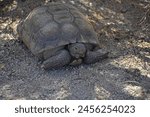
(2, 66)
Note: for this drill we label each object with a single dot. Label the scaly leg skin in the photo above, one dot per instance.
(61, 59)
(95, 56)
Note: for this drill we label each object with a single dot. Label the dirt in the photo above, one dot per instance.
(123, 28)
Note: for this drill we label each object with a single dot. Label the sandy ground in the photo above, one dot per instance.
(123, 28)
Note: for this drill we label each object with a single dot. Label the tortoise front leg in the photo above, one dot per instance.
(95, 56)
(61, 59)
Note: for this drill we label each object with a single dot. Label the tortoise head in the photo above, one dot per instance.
(77, 50)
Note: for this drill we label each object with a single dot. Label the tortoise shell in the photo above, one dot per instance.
(54, 25)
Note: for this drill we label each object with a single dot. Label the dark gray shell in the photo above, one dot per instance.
(54, 25)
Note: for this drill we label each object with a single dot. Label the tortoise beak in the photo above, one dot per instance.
(77, 56)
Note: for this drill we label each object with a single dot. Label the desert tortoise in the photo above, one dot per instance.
(60, 35)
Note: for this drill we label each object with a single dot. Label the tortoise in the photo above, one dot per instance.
(59, 35)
